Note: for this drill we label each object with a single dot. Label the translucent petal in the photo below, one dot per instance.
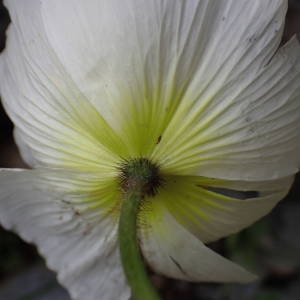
(173, 251)
(250, 128)
(56, 124)
(81, 249)
(211, 209)
(149, 67)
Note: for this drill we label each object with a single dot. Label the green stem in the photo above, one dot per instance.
(131, 257)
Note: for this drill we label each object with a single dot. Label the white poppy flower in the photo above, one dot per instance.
(196, 87)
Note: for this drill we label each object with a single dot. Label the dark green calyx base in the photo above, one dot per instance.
(140, 174)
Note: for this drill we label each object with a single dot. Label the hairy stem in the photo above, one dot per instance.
(131, 257)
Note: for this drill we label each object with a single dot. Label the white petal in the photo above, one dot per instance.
(173, 251)
(141, 62)
(211, 209)
(55, 122)
(83, 252)
(250, 129)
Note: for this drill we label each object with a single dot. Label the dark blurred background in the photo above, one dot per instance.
(271, 247)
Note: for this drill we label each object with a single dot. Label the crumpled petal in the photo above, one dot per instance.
(151, 68)
(83, 251)
(197, 92)
(172, 251)
(250, 128)
(56, 125)
(193, 85)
